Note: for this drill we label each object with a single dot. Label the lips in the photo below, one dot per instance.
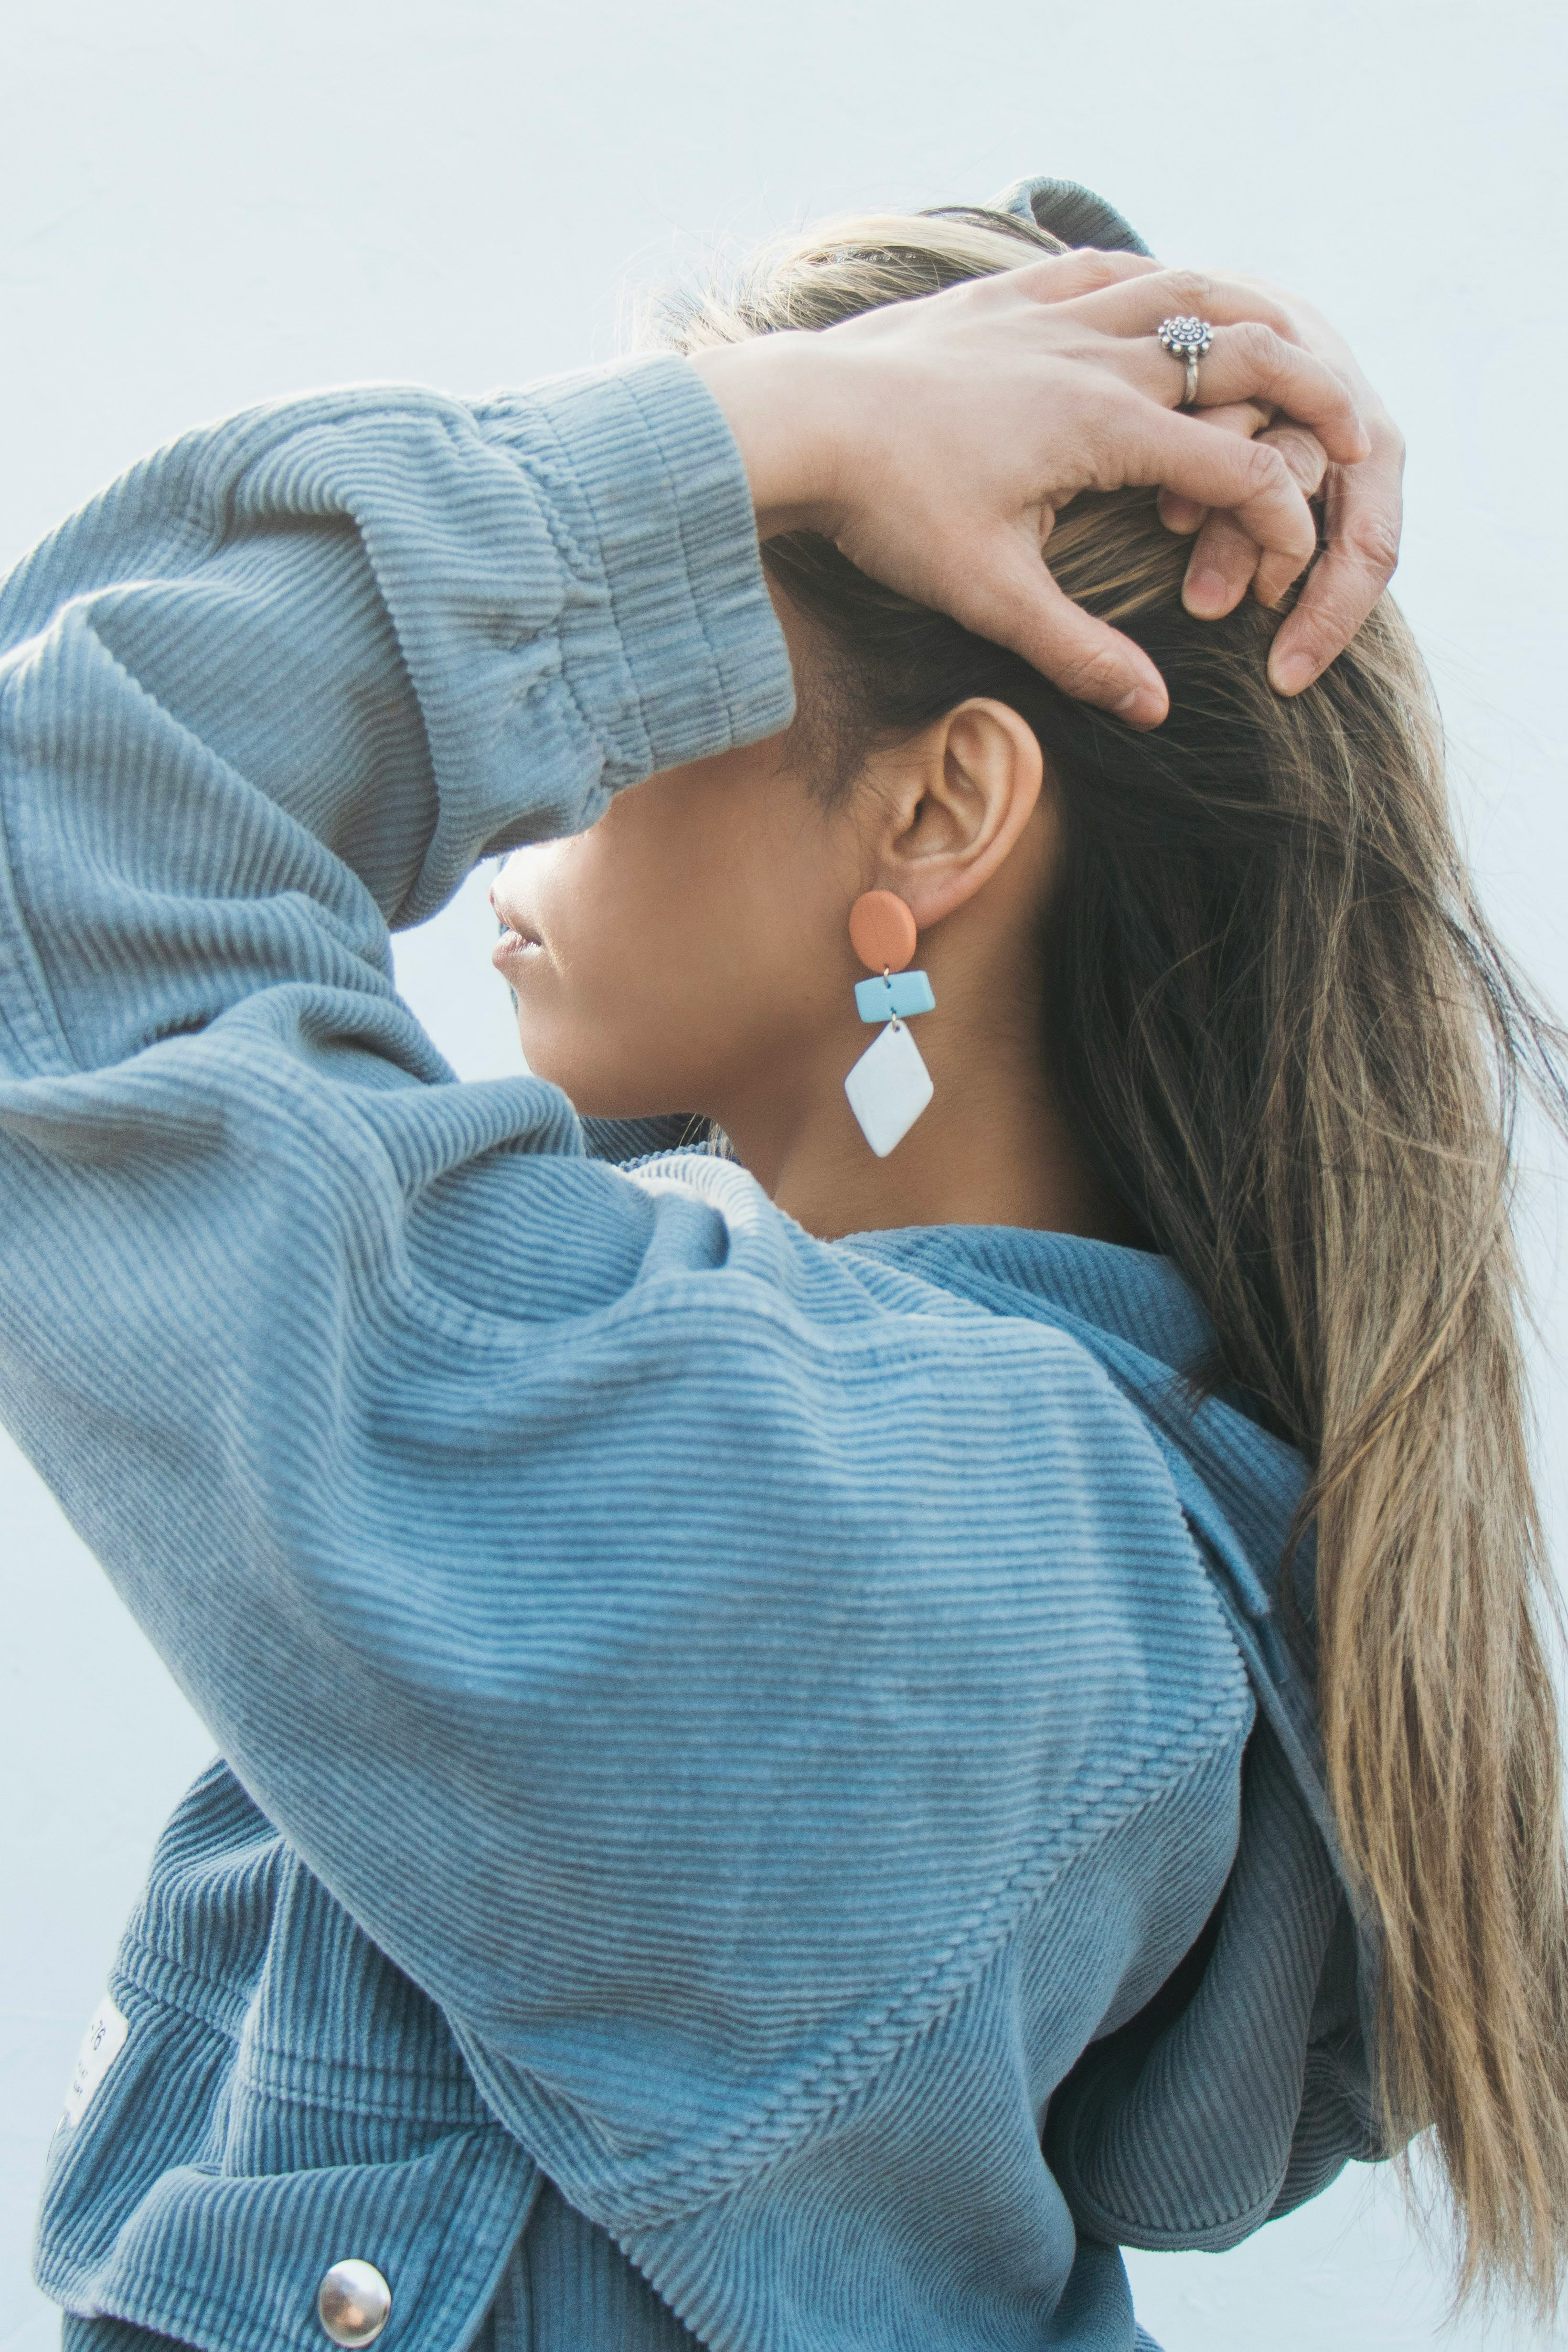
(512, 945)
(518, 935)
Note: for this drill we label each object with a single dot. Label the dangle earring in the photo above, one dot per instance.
(889, 1086)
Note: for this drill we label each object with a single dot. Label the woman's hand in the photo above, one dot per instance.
(936, 441)
(1363, 512)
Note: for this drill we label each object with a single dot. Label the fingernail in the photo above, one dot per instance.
(1141, 708)
(1293, 672)
(1207, 592)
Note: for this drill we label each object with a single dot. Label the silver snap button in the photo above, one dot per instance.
(355, 2304)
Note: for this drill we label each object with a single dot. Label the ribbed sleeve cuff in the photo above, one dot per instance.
(665, 495)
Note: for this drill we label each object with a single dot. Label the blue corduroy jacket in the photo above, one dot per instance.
(760, 1789)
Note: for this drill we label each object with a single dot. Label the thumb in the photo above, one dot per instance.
(1012, 600)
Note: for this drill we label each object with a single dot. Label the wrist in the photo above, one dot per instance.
(775, 393)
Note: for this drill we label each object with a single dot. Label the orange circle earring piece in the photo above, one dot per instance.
(882, 930)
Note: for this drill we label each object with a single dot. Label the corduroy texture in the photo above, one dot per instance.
(723, 1720)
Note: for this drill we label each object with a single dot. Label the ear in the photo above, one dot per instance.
(955, 802)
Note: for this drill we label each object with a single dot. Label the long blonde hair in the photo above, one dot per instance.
(1292, 1048)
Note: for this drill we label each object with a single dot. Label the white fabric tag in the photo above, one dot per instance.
(105, 2041)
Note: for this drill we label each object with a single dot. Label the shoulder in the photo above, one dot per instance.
(941, 1455)
(806, 1438)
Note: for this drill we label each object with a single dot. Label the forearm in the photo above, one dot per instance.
(415, 628)
(275, 689)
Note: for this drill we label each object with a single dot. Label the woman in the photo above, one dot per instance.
(762, 1684)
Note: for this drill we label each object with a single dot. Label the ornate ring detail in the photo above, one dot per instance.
(1186, 339)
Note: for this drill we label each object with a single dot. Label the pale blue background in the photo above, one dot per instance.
(203, 203)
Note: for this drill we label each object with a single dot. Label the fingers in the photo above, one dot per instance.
(1246, 417)
(1252, 362)
(1064, 277)
(1364, 511)
(1250, 479)
(1181, 515)
(1363, 500)
(1136, 305)
(1225, 561)
(1259, 351)
(1014, 600)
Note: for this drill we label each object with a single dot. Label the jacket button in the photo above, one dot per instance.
(354, 2303)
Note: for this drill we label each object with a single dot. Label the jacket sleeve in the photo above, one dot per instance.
(567, 1560)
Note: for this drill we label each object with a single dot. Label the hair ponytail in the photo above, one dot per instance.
(1293, 1050)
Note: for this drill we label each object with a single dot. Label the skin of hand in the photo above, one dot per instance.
(1362, 512)
(936, 441)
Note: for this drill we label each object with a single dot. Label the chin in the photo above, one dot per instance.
(593, 1090)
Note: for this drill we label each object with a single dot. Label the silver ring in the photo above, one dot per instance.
(1187, 340)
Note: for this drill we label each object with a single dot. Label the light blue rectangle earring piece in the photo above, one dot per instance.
(888, 1088)
(901, 992)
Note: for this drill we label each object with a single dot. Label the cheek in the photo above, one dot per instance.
(671, 951)
(582, 990)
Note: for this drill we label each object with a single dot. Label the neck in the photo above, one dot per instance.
(991, 1149)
